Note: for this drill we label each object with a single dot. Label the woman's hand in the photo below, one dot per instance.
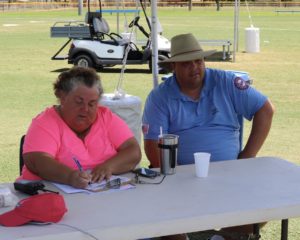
(101, 172)
(79, 179)
(128, 155)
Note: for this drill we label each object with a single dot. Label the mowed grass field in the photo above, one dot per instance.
(27, 73)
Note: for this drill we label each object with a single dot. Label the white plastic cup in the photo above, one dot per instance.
(202, 164)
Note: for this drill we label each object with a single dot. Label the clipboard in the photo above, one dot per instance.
(126, 183)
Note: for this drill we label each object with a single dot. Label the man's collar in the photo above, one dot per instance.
(174, 89)
(175, 92)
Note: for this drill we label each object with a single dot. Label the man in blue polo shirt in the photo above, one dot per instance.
(203, 107)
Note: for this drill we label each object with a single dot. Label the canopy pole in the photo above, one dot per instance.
(154, 42)
(236, 28)
(80, 6)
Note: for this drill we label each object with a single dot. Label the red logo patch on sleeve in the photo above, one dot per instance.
(241, 84)
(145, 128)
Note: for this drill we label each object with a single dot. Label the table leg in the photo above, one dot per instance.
(284, 229)
(228, 51)
(256, 229)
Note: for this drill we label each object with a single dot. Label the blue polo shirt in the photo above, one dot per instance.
(206, 125)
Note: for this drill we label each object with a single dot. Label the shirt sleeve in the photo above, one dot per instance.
(117, 129)
(246, 99)
(155, 116)
(42, 136)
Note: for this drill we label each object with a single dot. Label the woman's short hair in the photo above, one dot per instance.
(69, 80)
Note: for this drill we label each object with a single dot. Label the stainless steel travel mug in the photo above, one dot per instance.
(168, 144)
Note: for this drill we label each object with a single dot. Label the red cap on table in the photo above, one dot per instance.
(46, 207)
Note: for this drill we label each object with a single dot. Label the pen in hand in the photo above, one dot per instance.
(79, 166)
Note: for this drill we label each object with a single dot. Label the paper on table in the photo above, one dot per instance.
(94, 187)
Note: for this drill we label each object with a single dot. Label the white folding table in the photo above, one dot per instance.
(236, 192)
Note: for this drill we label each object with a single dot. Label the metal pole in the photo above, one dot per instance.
(80, 7)
(238, 26)
(118, 18)
(154, 42)
(190, 5)
(235, 29)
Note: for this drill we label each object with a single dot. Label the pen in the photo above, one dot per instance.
(79, 166)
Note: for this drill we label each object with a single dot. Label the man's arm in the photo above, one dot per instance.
(261, 125)
(152, 152)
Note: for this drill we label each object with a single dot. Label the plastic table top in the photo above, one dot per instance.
(235, 192)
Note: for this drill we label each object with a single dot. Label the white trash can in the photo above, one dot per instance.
(252, 40)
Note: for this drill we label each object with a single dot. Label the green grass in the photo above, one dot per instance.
(27, 73)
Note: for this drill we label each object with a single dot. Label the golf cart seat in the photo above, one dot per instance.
(100, 25)
(101, 29)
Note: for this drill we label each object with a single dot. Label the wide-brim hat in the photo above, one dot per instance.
(185, 47)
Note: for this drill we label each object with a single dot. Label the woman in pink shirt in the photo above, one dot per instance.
(78, 128)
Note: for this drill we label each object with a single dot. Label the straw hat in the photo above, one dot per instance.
(185, 47)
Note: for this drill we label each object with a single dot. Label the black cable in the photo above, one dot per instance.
(47, 190)
(138, 181)
(66, 225)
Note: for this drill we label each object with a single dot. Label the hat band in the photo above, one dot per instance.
(178, 54)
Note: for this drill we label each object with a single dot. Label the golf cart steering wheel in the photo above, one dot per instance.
(134, 21)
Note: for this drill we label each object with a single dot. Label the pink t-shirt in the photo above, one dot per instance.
(50, 134)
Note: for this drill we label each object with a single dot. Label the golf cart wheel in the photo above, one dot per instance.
(83, 61)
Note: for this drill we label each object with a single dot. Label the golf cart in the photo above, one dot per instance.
(93, 45)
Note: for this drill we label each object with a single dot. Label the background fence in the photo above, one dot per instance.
(10, 5)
